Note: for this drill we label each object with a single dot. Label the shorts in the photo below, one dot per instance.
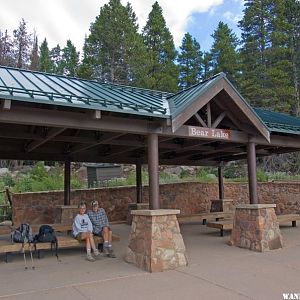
(79, 238)
(98, 233)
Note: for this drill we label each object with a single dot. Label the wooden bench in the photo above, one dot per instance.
(58, 227)
(203, 217)
(64, 241)
(228, 224)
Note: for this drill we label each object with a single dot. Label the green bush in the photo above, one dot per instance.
(41, 180)
(261, 176)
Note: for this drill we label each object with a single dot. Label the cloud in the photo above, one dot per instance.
(59, 20)
(230, 16)
(177, 14)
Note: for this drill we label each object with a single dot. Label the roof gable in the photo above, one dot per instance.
(188, 102)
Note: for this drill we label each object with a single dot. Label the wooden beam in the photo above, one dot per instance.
(6, 104)
(51, 133)
(67, 182)
(202, 100)
(229, 114)
(122, 151)
(76, 120)
(106, 138)
(208, 111)
(200, 120)
(219, 119)
(97, 114)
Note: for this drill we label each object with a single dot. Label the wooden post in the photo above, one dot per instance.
(153, 171)
(251, 157)
(67, 182)
(221, 183)
(138, 170)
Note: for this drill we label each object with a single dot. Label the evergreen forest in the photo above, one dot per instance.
(264, 63)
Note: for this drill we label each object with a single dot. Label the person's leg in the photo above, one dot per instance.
(105, 235)
(107, 247)
(92, 243)
(109, 237)
(84, 236)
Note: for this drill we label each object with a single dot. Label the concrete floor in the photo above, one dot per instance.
(215, 271)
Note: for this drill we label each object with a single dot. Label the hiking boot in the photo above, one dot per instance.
(106, 251)
(90, 258)
(111, 253)
(97, 255)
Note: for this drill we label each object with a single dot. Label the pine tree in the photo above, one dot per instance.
(22, 44)
(46, 64)
(34, 56)
(292, 12)
(279, 87)
(189, 61)
(269, 54)
(163, 73)
(255, 40)
(114, 51)
(6, 49)
(207, 65)
(55, 55)
(70, 59)
(223, 53)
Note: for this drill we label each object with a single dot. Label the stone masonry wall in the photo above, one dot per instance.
(189, 197)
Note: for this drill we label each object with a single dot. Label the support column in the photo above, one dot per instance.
(221, 183)
(155, 241)
(251, 157)
(67, 182)
(255, 227)
(153, 171)
(138, 170)
(221, 204)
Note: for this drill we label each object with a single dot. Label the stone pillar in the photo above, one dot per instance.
(135, 206)
(155, 241)
(221, 205)
(65, 214)
(255, 227)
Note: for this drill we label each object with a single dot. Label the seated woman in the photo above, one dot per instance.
(83, 231)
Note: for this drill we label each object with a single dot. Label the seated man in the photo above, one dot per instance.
(83, 231)
(101, 227)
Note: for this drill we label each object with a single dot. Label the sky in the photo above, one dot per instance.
(59, 20)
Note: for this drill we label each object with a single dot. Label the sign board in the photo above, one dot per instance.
(209, 133)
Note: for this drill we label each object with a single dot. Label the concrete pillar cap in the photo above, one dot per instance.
(155, 212)
(255, 206)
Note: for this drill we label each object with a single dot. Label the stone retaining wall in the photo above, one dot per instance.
(190, 198)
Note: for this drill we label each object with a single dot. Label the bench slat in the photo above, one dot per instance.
(204, 216)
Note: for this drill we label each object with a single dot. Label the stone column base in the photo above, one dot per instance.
(65, 214)
(155, 241)
(255, 227)
(221, 205)
(135, 206)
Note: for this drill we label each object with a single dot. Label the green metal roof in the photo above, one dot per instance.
(279, 122)
(38, 87)
(179, 101)
(24, 85)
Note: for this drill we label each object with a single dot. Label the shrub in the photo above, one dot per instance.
(261, 176)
